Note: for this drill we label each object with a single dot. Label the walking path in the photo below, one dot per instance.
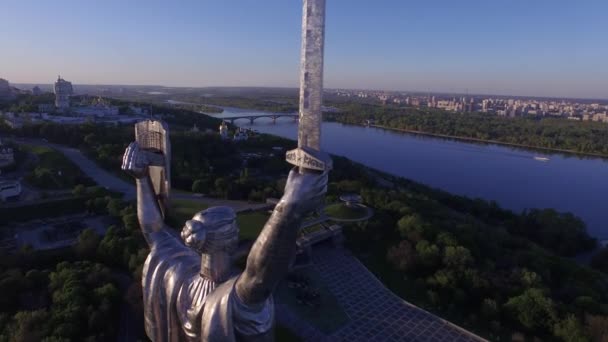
(116, 184)
(99, 175)
(376, 314)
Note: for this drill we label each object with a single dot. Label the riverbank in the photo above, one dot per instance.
(509, 175)
(488, 141)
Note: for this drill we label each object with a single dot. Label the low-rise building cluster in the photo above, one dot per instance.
(583, 110)
(7, 156)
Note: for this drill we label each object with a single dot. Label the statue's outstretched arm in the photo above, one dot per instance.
(149, 214)
(269, 259)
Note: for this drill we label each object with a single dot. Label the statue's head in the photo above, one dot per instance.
(212, 230)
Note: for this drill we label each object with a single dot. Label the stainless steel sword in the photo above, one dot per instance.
(308, 155)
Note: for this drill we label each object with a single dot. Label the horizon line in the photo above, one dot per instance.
(329, 88)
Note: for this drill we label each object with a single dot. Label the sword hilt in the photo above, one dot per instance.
(308, 159)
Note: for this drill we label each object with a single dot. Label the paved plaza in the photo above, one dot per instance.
(376, 314)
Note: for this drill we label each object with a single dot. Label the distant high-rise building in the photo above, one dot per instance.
(471, 105)
(63, 91)
(36, 91)
(484, 105)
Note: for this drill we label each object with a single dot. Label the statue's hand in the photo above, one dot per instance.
(305, 191)
(135, 161)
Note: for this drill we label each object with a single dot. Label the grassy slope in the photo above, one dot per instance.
(250, 224)
(341, 211)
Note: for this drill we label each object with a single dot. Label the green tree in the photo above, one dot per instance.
(88, 242)
(489, 308)
(29, 326)
(570, 330)
(402, 256)
(107, 292)
(91, 139)
(130, 221)
(532, 309)
(222, 187)
(199, 186)
(411, 227)
(428, 254)
(457, 257)
(79, 190)
(530, 278)
(114, 207)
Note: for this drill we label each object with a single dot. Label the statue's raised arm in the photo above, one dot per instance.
(274, 249)
(136, 162)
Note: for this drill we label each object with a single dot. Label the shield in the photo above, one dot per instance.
(152, 136)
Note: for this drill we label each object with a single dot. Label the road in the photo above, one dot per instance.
(99, 175)
(116, 184)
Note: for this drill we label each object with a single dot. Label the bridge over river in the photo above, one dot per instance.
(271, 116)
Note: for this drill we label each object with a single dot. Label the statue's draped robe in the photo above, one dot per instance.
(180, 305)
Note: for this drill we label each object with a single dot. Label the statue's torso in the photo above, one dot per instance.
(191, 302)
(170, 266)
(180, 304)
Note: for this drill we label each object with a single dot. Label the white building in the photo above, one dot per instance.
(240, 135)
(63, 91)
(224, 130)
(100, 111)
(9, 189)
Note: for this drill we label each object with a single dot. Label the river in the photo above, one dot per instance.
(512, 177)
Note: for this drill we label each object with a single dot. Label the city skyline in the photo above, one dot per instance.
(541, 49)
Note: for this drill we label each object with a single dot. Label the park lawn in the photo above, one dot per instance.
(328, 317)
(53, 170)
(341, 211)
(251, 224)
(182, 211)
(311, 229)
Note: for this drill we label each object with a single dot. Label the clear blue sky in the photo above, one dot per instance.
(521, 47)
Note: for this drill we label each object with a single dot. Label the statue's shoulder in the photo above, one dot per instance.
(168, 254)
(168, 241)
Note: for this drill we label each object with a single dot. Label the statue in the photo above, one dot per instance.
(190, 289)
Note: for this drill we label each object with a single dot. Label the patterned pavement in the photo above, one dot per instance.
(376, 314)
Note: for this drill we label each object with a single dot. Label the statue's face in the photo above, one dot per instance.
(212, 230)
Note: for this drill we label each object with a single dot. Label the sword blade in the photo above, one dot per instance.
(311, 74)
